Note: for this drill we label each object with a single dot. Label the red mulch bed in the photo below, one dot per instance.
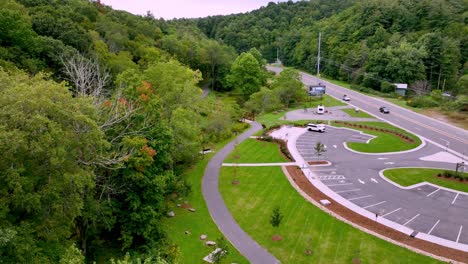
(276, 238)
(319, 162)
(367, 223)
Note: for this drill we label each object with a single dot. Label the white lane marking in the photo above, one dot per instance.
(432, 192)
(353, 190)
(409, 221)
(339, 184)
(334, 146)
(459, 233)
(333, 172)
(433, 227)
(374, 204)
(389, 213)
(454, 199)
(389, 163)
(374, 180)
(382, 158)
(359, 197)
(361, 182)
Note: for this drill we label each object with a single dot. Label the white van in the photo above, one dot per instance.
(320, 109)
(316, 127)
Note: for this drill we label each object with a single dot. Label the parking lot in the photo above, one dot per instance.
(355, 177)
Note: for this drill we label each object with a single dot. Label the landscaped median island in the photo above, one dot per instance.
(388, 138)
(308, 235)
(410, 176)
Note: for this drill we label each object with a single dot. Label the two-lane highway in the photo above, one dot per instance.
(446, 136)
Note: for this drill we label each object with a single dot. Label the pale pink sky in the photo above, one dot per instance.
(169, 9)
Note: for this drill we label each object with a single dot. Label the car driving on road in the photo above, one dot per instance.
(384, 110)
(316, 127)
(346, 98)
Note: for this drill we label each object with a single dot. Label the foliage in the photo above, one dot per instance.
(364, 42)
(288, 87)
(319, 149)
(276, 217)
(246, 75)
(222, 253)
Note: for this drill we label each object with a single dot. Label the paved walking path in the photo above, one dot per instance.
(219, 212)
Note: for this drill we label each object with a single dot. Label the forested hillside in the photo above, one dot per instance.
(372, 42)
(100, 111)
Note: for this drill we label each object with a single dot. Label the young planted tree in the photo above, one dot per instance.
(276, 217)
(319, 149)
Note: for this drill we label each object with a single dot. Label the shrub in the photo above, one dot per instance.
(422, 102)
(387, 87)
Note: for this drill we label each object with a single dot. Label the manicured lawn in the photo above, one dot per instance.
(192, 249)
(326, 100)
(411, 176)
(351, 112)
(260, 189)
(254, 151)
(384, 142)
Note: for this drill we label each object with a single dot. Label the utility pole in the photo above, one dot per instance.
(318, 54)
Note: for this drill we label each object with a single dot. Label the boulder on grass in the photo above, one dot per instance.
(171, 214)
(203, 237)
(210, 243)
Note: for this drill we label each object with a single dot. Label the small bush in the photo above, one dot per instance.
(422, 102)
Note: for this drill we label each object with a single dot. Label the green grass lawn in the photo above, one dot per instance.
(260, 189)
(192, 249)
(384, 142)
(254, 151)
(326, 100)
(410, 176)
(351, 112)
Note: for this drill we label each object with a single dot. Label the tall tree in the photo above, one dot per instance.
(246, 75)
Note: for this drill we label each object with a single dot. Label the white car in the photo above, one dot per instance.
(316, 127)
(320, 109)
(346, 98)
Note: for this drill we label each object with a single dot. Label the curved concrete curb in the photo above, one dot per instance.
(417, 184)
(345, 145)
(355, 225)
(313, 179)
(219, 212)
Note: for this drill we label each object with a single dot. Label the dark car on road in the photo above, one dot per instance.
(384, 110)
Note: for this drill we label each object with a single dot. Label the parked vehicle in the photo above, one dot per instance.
(316, 127)
(384, 110)
(346, 98)
(320, 109)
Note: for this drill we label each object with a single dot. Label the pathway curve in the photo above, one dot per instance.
(219, 212)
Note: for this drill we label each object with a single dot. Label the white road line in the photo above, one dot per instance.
(414, 217)
(359, 197)
(374, 180)
(459, 233)
(389, 213)
(361, 182)
(433, 227)
(382, 158)
(454, 199)
(339, 184)
(389, 163)
(334, 146)
(374, 204)
(432, 192)
(353, 190)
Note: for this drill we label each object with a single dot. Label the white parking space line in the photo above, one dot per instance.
(459, 233)
(433, 227)
(339, 184)
(432, 192)
(389, 213)
(353, 190)
(359, 197)
(409, 221)
(454, 199)
(374, 204)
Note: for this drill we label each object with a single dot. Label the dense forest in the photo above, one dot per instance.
(100, 112)
(371, 43)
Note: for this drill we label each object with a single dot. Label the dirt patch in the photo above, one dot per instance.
(186, 205)
(276, 238)
(235, 182)
(369, 224)
(318, 162)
